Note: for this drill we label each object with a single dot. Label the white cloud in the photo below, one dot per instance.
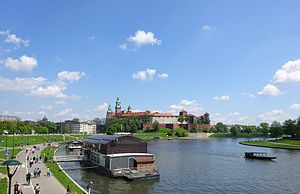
(61, 102)
(222, 98)
(163, 75)
(21, 84)
(206, 28)
(273, 115)
(75, 97)
(45, 107)
(123, 46)
(288, 73)
(270, 90)
(49, 91)
(192, 106)
(25, 63)
(64, 112)
(143, 38)
(101, 108)
(70, 75)
(42, 113)
(13, 39)
(295, 106)
(148, 74)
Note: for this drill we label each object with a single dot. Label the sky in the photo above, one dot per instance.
(237, 60)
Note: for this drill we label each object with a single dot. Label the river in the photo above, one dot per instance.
(204, 166)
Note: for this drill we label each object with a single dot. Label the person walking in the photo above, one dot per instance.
(48, 172)
(16, 188)
(28, 177)
(68, 189)
(89, 187)
(37, 189)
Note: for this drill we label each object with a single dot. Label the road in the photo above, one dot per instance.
(48, 184)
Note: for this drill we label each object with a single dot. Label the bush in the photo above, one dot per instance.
(170, 133)
(181, 133)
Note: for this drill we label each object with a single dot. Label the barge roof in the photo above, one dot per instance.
(128, 154)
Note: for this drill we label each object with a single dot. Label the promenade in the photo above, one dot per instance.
(48, 184)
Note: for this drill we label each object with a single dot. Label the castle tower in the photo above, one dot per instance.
(118, 106)
(109, 113)
(129, 109)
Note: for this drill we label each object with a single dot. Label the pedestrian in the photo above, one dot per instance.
(48, 172)
(30, 163)
(16, 188)
(27, 157)
(39, 172)
(28, 177)
(68, 189)
(40, 158)
(33, 159)
(26, 150)
(37, 188)
(89, 187)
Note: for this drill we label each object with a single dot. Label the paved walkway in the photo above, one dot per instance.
(48, 185)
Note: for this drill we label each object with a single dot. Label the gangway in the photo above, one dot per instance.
(69, 158)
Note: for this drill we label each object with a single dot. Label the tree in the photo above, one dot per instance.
(220, 128)
(264, 128)
(276, 130)
(182, 119)
(156, 126)
(290, 127)
(234, 130)
(194, 128)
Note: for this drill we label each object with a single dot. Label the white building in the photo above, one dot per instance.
(79, 127)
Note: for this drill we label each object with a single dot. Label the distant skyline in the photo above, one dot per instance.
(237, 60)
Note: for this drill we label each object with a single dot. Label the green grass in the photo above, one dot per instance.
(2, 153)
(240, 135)
(3, 185)
(3, 170)
(59, 175)
(282, 144)
(30, 139)
(162, 134)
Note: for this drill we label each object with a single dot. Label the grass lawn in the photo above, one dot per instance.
(3, 170)
(240, 135)
(30, 139)
(2, 153)
(3, 185)
(281, 143)
(59, 175)
(162, 134)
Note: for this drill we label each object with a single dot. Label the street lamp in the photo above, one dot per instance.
(6, 150)
(9, 163)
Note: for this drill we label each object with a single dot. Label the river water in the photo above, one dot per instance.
(204, 166)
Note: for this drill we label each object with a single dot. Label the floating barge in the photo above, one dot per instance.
(259, 155)
(120, 156)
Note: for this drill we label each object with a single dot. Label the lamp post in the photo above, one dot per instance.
(9, 163)
(6, 150)
(13, 151)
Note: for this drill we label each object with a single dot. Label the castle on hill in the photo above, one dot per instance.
(166, 120)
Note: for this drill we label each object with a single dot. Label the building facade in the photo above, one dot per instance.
(166, 120)
(79, 127)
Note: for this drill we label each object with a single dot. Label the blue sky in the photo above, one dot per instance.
(237, 60)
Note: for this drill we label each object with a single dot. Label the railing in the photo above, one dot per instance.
(69, 158)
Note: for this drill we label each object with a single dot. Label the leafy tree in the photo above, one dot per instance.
(220, 128)
(290, 127)
(234, 130)
(264, 128)
(182, 119)
(276, 130)
(156, 126)
(194, 128)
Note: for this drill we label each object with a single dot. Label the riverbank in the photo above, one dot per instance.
(239, 135)
(58, 173)
(167, 134)
(280, 144)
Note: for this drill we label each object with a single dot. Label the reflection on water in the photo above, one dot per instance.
(213, 166)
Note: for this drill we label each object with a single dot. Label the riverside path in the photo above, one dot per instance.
(48, 184)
